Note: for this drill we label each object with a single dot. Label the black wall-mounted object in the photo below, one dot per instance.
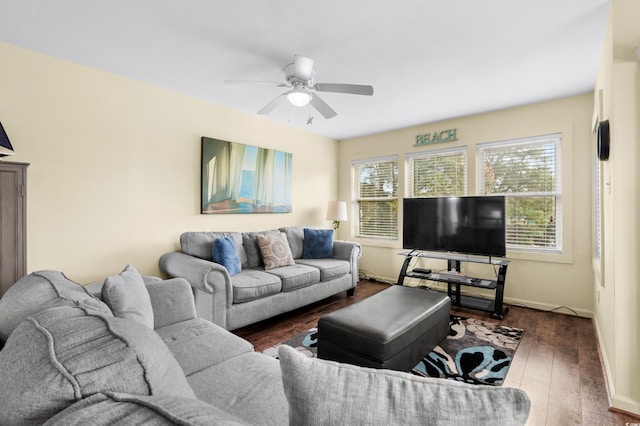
(603, 140)
(5, 145)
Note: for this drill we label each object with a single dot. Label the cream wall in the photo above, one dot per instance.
(535, 280)
(617, 309)
(115, 165)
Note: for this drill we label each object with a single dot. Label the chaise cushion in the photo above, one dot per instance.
(198, 344)
(248, 386)
(106, 409)
(226, 254)
(40, 290)
(330, 393)
(318, 244)
(127, 296)
(275, 250)
(63, 354)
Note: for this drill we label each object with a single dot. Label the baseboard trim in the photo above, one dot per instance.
(604, 361)
(548, 307)
(414, 282)
(626, 406)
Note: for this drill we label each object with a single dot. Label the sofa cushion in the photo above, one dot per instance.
(329, 268)
(117, 408)
(325, 392)
(197, 344)
(248, 386)
(295, 236)
(250, 243)
(318, 243)
(39, 290)
(172, 301)
(296, 276)
(226, 254)
(127, 296)
(251, 284)
(77, 353)
(275, 250)
(200, 244)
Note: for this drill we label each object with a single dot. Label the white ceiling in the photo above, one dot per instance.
(427, 60)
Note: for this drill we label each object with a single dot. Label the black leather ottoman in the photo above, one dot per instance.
(393, 329)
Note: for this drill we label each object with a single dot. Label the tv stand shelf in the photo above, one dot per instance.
(456, 281)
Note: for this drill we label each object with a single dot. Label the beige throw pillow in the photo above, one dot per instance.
(275, 250)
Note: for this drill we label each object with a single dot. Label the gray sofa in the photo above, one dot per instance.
(72, 358)
(255, 293)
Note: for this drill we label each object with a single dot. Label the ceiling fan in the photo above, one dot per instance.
(299, 76)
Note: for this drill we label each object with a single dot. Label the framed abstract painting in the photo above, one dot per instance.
(238, 178)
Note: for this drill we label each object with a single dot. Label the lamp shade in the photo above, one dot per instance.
(5, 145)
(337, 211)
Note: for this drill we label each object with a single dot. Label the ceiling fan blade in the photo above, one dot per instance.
(267, 83)
(303, 67)
(354, 89)
(273, 104)
(322, 106)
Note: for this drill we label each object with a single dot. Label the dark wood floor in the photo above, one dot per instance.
(557, 362)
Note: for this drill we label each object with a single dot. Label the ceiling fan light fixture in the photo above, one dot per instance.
(299, 97)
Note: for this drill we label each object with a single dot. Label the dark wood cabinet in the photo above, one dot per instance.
(13, 226)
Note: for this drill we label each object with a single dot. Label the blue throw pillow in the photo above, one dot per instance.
(226, 254)
(318, 244)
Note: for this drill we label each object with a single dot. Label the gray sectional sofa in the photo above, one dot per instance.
(72, 358)
(131, 351)
(257, 293)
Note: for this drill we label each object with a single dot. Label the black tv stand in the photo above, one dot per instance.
(455, 281)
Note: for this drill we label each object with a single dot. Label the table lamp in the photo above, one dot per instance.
(337, 212)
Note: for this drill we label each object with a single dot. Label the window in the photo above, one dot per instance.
(437, 173)
(527, 173)
(597, 209)
(375, 197)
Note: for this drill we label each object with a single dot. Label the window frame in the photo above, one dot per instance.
(598, 189)
(557, 192)
(357, 198)
(409, 190)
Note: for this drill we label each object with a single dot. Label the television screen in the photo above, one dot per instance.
(470, 225)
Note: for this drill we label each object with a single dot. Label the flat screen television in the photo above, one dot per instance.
(468, 225)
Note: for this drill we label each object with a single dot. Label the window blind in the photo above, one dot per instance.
(527, 172)
(436, 173)
(375, 197)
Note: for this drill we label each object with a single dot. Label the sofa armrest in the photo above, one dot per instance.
(201, 274)
(348, 250)
(172, 301)
(204, 276)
